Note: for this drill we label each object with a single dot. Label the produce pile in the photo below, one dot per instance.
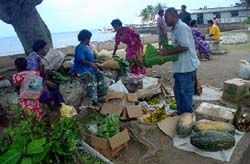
(124, 66)
(57, 77)
(206, 135)
(156, 116)
(109, 127)
(158, 109)
(32, 141)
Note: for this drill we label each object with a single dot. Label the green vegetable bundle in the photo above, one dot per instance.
(124, 66)
(151, 56)
(57, 77)
(110, 127)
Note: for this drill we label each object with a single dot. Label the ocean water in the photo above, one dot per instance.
(12, 45)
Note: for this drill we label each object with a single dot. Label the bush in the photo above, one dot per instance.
(247, 21)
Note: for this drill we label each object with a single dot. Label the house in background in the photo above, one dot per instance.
(223, 14)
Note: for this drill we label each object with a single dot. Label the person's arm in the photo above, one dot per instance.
(117, 42)
(115, 49)
(172, 51)
(89, 64)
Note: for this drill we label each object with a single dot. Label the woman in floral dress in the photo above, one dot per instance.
(200, 43)
(134, 51)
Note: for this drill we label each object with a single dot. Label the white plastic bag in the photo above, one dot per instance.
(245, 69)
(54, 59)
(118, 87)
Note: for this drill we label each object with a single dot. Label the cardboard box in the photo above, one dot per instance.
(168, 126)
(215, 113)
(123, 105)
(111, 147)
(235, 89)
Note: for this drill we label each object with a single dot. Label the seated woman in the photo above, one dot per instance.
(85, 68)
(34, 62)
(134, 51)
(214, 31)
(200, 43)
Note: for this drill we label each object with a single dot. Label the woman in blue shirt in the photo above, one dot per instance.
(85, 68)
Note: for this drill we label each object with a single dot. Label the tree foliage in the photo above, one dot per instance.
(149, 12)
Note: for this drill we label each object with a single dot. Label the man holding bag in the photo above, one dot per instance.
(185, 67)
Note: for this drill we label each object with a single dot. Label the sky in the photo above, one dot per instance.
(74, 15)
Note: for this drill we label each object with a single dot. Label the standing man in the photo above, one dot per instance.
(185, 67)
(184, 15)
(162, 29)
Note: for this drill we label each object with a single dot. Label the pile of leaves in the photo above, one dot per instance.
(109, 127)
(124, 66)
(57, 77)
(31, 141)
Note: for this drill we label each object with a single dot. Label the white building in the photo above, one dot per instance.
(223, 14)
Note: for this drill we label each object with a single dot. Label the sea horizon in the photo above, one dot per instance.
(11, 45)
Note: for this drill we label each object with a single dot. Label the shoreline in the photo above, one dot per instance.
(7, 61)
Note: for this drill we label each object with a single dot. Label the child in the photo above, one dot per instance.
(30, 86)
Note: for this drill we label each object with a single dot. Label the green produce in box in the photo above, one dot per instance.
(109, 127)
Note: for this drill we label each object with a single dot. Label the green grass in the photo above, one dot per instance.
(245, 46)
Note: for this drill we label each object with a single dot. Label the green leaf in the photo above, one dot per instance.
(26, 161)
(39, 157)
(12, 156)
(36, 146)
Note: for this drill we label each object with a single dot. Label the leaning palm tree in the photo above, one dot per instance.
(145, 15)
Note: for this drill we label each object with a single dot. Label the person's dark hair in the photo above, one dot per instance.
(184, 6)
(84, 35)
(215, 17)
(210, 22)
(172, 11)
(38, 45)
(161, 11)
(116, 22)
(21, 63)
(193, 23)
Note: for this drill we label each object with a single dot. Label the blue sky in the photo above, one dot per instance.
(74, 15)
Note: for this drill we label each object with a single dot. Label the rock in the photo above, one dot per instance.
(8, 103)
(73, 92)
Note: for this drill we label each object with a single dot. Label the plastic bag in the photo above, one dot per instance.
(151, 56)
(110, 64)
(244, 69)
(31, 86)
(54, 59)
(118, 87)
(67, 111)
